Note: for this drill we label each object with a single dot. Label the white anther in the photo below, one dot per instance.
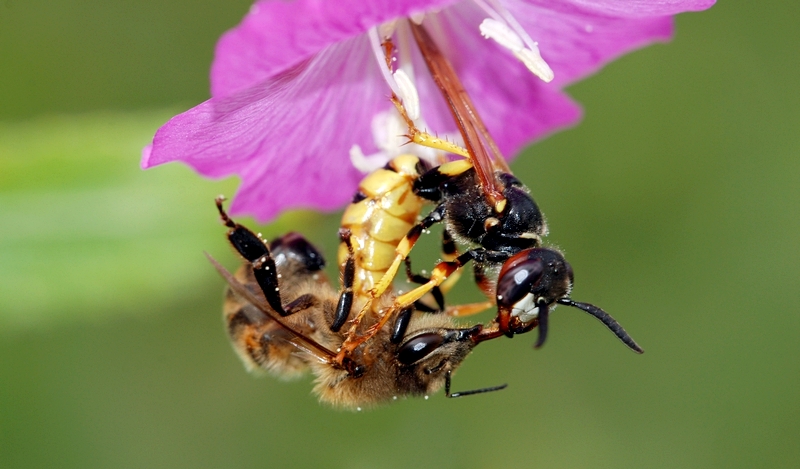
(408, 93)
(536, 64)
(529, 56)
(502, 34)
(417, 18)
(426, 397)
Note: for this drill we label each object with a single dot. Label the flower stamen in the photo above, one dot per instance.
(502, 27)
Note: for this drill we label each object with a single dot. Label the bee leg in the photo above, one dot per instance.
(345, 303)
(255, 251)
(401, 325)
(300, 303)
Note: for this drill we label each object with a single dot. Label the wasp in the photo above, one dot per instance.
(482, 205)
(281, 310)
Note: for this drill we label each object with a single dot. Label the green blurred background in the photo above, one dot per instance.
(676, 201)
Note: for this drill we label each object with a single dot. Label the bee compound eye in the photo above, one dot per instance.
(297, 247)
(418, 348)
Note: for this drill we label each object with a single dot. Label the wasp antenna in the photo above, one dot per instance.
(544, 315)
(606, 319)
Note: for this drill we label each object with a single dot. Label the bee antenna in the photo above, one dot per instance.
(544, 314)
(607, 320)
(467, 393)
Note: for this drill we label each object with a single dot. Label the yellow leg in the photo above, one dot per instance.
(468, 309)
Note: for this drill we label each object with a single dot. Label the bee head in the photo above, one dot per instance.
(426, 358)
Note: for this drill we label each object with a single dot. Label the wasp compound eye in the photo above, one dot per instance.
(542, 272)
(419, 347)
(518, 277)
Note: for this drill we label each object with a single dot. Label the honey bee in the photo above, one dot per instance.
(279, 309)
(482, 206)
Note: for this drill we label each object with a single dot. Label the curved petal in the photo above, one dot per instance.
(577, 44)
(276, 35)
(617, 8)
(288, 137)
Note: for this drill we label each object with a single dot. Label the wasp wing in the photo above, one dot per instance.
(469, 122)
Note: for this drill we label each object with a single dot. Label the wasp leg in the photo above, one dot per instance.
(436, 292)
(404, 248)
(449, 254)
(438, 275)
(441, 272)
(348, 277)
(424, 138)
(468, 309)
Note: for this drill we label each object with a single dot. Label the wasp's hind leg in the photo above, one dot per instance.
(436, 292)
(449, 254)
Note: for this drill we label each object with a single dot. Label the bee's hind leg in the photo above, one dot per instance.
(254, 250)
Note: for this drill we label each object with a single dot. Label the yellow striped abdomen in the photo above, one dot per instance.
(383, 211)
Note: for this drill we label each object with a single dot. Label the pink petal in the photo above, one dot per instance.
(577, 44)
(288, 137)
(615, 8)
(276, 35)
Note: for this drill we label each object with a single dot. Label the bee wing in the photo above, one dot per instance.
(469, 122)
(303, 342)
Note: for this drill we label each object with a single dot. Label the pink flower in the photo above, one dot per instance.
(298, 84)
